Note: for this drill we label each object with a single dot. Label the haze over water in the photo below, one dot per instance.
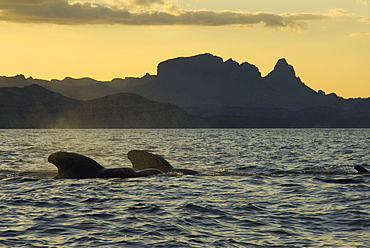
(258, 188)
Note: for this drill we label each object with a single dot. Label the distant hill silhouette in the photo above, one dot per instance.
(36, 107)
(231, 94)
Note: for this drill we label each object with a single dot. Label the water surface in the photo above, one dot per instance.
(258, 188)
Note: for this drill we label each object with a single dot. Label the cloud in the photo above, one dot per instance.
(365, 20)
(365, 2)
(135, 3)
(169, 6)
(144, 12)
(338, 13)
(360, 35)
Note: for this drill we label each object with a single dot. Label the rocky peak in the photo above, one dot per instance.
(282, 70)
(231, 62)
(200, 59)
(246, 73)
(20, 77)
(252, 68)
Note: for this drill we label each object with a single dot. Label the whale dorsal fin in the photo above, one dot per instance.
(360, 169)
(142, 160)
(73, 165)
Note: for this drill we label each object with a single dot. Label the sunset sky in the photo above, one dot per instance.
(327, 41)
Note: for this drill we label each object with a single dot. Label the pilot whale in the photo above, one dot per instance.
(142, 160)
(360, 169)
(76, 166)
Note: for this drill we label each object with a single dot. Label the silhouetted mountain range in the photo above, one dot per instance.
(229, 94)
(205, 85)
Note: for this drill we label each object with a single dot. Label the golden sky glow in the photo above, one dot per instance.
(327, 41)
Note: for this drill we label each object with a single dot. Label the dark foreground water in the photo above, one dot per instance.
(258, 188)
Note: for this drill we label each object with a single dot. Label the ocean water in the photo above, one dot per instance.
(257, 188)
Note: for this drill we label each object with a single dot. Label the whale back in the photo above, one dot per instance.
(127, 173)
(74, 166)
(142, 160)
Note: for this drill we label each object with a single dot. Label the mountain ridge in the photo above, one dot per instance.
(206, 83)
(207, 86)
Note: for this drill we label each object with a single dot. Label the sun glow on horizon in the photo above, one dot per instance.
(331, 53)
